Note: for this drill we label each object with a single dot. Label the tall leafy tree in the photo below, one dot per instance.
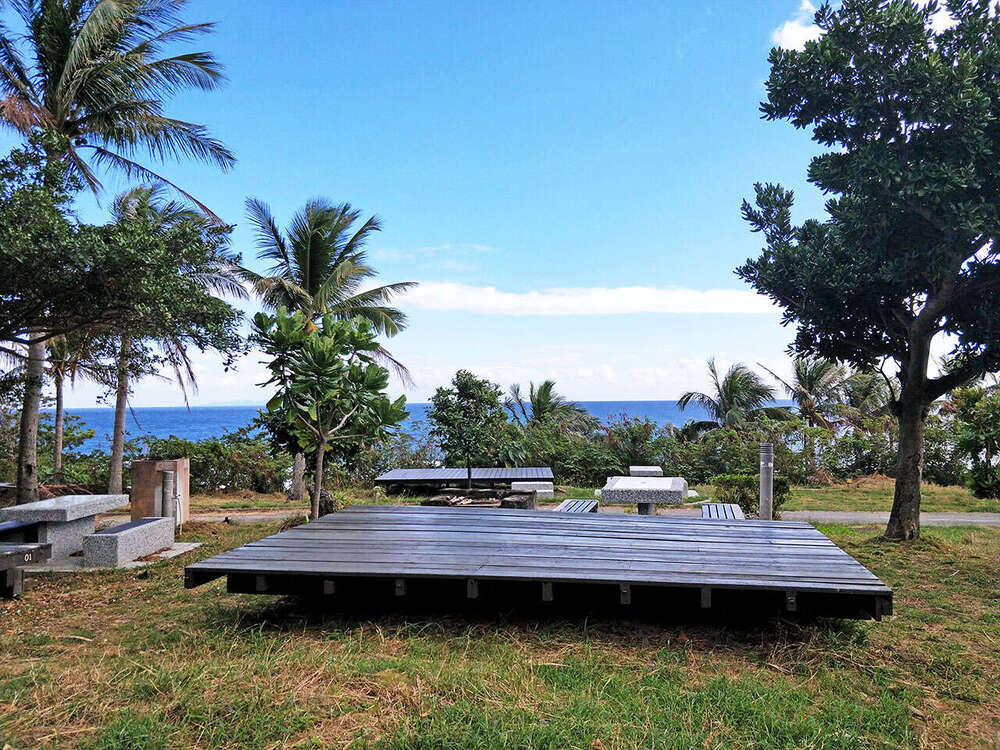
(319, 266)
(96, 75)
(908, 249)
(195, 267)
(545, 404)
(329, 388)
(469, 420)
(738, 399)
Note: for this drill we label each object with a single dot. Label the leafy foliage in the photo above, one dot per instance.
(329, 389)
(909, 115)
(469, 421)
(744, 490)
(738, 398)
(978, 416)
(233, 462)
(94, 74)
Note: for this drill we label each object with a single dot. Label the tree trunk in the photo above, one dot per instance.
(57, 441)
(904, 520)
(317, 480)
(297, 488)
(27, 446)
(118, 435)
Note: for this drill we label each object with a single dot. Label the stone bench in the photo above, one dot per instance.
(541, 489)
(64, 521)
(645, 471)
(645, 492)
(114, 546)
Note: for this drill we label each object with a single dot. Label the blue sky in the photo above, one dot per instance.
(563, 178)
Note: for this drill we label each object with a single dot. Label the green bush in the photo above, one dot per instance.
(744, 490)
(978, 429)
(237, 461)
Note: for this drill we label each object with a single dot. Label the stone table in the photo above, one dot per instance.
(645, 492)
(64, 521)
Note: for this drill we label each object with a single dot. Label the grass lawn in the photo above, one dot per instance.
(129, 659)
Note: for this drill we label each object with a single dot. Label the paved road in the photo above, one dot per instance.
(818, 516)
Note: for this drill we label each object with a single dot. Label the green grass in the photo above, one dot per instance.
(862, 495)
(129, 659)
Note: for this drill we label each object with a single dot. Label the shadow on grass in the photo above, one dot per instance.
(745, 630)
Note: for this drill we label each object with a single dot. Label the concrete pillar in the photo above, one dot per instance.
(766, 482)
(168, 494)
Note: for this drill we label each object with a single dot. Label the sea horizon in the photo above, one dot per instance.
(203, 421)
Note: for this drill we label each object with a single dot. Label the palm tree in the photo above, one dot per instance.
(816, 388)
(319, 266)
(90, 72)
(738, 399)
(546, 405)
(69, 357)
(866, 395)
(149, 205)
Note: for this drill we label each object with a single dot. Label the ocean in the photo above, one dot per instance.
(210, 421)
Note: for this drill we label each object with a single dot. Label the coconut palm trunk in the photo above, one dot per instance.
(57, 440)
(27, 447)
(118, 433)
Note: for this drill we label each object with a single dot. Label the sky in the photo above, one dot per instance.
(563, 179)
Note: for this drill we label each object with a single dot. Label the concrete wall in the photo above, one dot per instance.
(147, 487)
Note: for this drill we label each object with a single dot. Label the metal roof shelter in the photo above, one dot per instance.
(434, 477)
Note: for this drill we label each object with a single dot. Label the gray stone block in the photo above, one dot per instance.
(63, 509)
(645, 490)
(645, 471)
(541, 489)
(66, 537)
(112, 547)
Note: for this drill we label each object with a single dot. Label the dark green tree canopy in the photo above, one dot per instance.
(469, 419)
(908, 248)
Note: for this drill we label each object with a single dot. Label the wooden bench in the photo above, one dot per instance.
(12, 557)
(18, 531)
(722, 511)
(577, 506)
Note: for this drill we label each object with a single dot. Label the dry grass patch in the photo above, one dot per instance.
(129, 659)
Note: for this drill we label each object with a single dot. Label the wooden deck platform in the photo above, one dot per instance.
(666, 562)
(440, 477)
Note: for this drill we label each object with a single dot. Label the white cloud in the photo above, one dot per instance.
(446, 296)
(794, 34)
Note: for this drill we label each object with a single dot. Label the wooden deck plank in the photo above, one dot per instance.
(484, 544)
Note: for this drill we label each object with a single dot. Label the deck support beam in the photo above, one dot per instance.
(547, 591)
(260, 584)
(791, 601)
(400, 587)
(706, 597)
(329, 587)
(625, 593)
(471, 588)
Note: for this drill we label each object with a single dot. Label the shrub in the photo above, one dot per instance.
(237, 461)
(744, 490)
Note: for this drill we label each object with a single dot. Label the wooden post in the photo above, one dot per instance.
(329, 587)
(766, 482)
(400, 587)
(625, 593)
(472, 588)
(546, 591)
(706, 597)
